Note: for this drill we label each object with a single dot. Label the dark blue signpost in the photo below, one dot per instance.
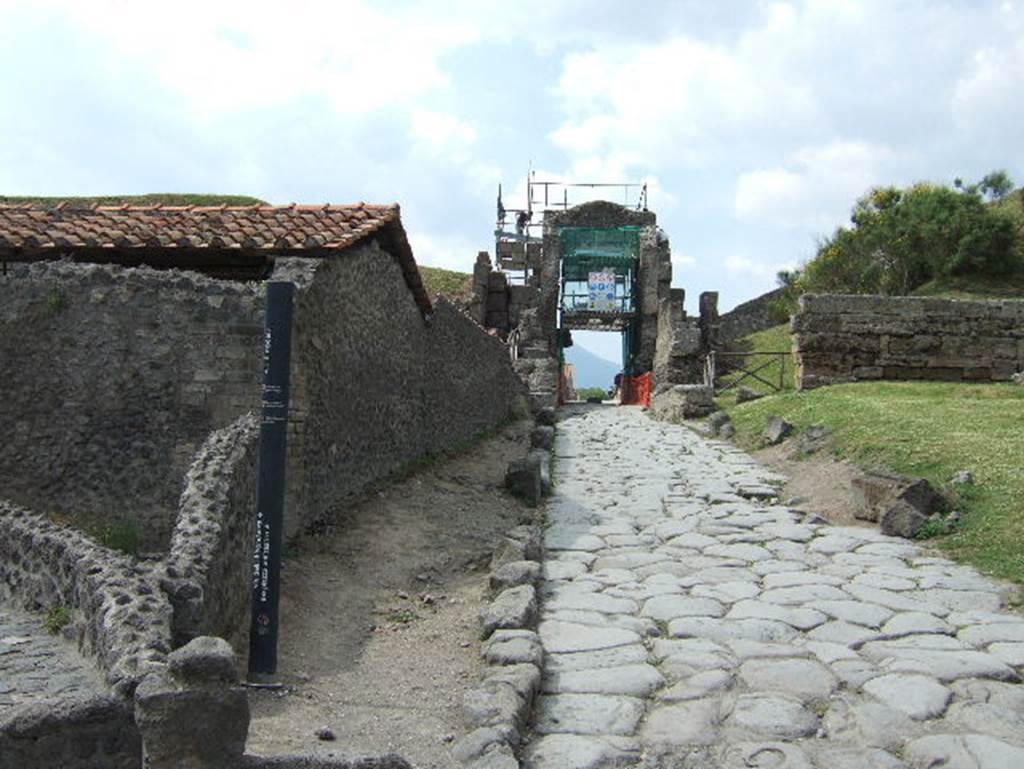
(266, 564)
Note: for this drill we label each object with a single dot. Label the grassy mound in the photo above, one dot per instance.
(455, 286)
(931, 429)
(974, 287)
(151, 199)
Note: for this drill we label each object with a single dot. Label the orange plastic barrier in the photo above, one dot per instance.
(636, 390)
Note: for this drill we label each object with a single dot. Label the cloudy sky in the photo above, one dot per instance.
(755, 124)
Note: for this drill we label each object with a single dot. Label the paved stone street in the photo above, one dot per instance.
(688, 622)
(35, 665)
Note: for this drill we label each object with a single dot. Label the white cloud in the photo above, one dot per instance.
(231, 54)
(816, 186)
(737, 264)
(442, 135)
(755, 125)
(451, 252)
(986, 103)
(681, 100)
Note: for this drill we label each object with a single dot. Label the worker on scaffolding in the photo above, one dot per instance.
(523, 221)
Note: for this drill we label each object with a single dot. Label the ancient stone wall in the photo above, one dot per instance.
(118, 612)
(750, 317)
(655, 280)
(112, 379)
(211, 547)
(847, 338)
(95, 732)
(383, 385)
(677, 358)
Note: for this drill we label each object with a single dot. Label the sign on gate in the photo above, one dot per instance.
(601, 287)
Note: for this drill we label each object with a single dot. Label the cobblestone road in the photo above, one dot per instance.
(688, 622)
(35, 665)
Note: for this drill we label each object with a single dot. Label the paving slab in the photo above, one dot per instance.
(36, 665)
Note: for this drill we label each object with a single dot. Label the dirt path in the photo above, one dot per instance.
(379, 635)
(820, 481)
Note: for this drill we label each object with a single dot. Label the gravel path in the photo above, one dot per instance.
(35, 665)
(690, 623)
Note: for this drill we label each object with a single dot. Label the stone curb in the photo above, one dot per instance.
(498, 709)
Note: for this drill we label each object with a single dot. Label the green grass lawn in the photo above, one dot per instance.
(931, 429)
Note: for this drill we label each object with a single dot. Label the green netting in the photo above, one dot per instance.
(592, 249)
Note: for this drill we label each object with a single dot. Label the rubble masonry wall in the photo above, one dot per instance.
(113, 378)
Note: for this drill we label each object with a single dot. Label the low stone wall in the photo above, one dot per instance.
(750, 317)
(119, 614)
(211, 547)
(841, 338)
(95, 732)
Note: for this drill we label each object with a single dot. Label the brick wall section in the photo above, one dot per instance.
(112, 379)
(847, 338)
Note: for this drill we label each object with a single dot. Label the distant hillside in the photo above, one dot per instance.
(152, 199)
(591, 370)
(457, 287)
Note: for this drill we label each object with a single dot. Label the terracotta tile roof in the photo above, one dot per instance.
(277, 228)
(181, 235)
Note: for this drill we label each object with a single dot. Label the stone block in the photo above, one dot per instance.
(543, 436)
(515, 573)
(191, 723)
(902, 520)
(204, 660)
(681, 402)
(514, 608)
(745, 394)
(513, 647)
(718, 420)
(523, 479)
(875, 493)
(542, 458)
(776, 430)
(528, 542)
